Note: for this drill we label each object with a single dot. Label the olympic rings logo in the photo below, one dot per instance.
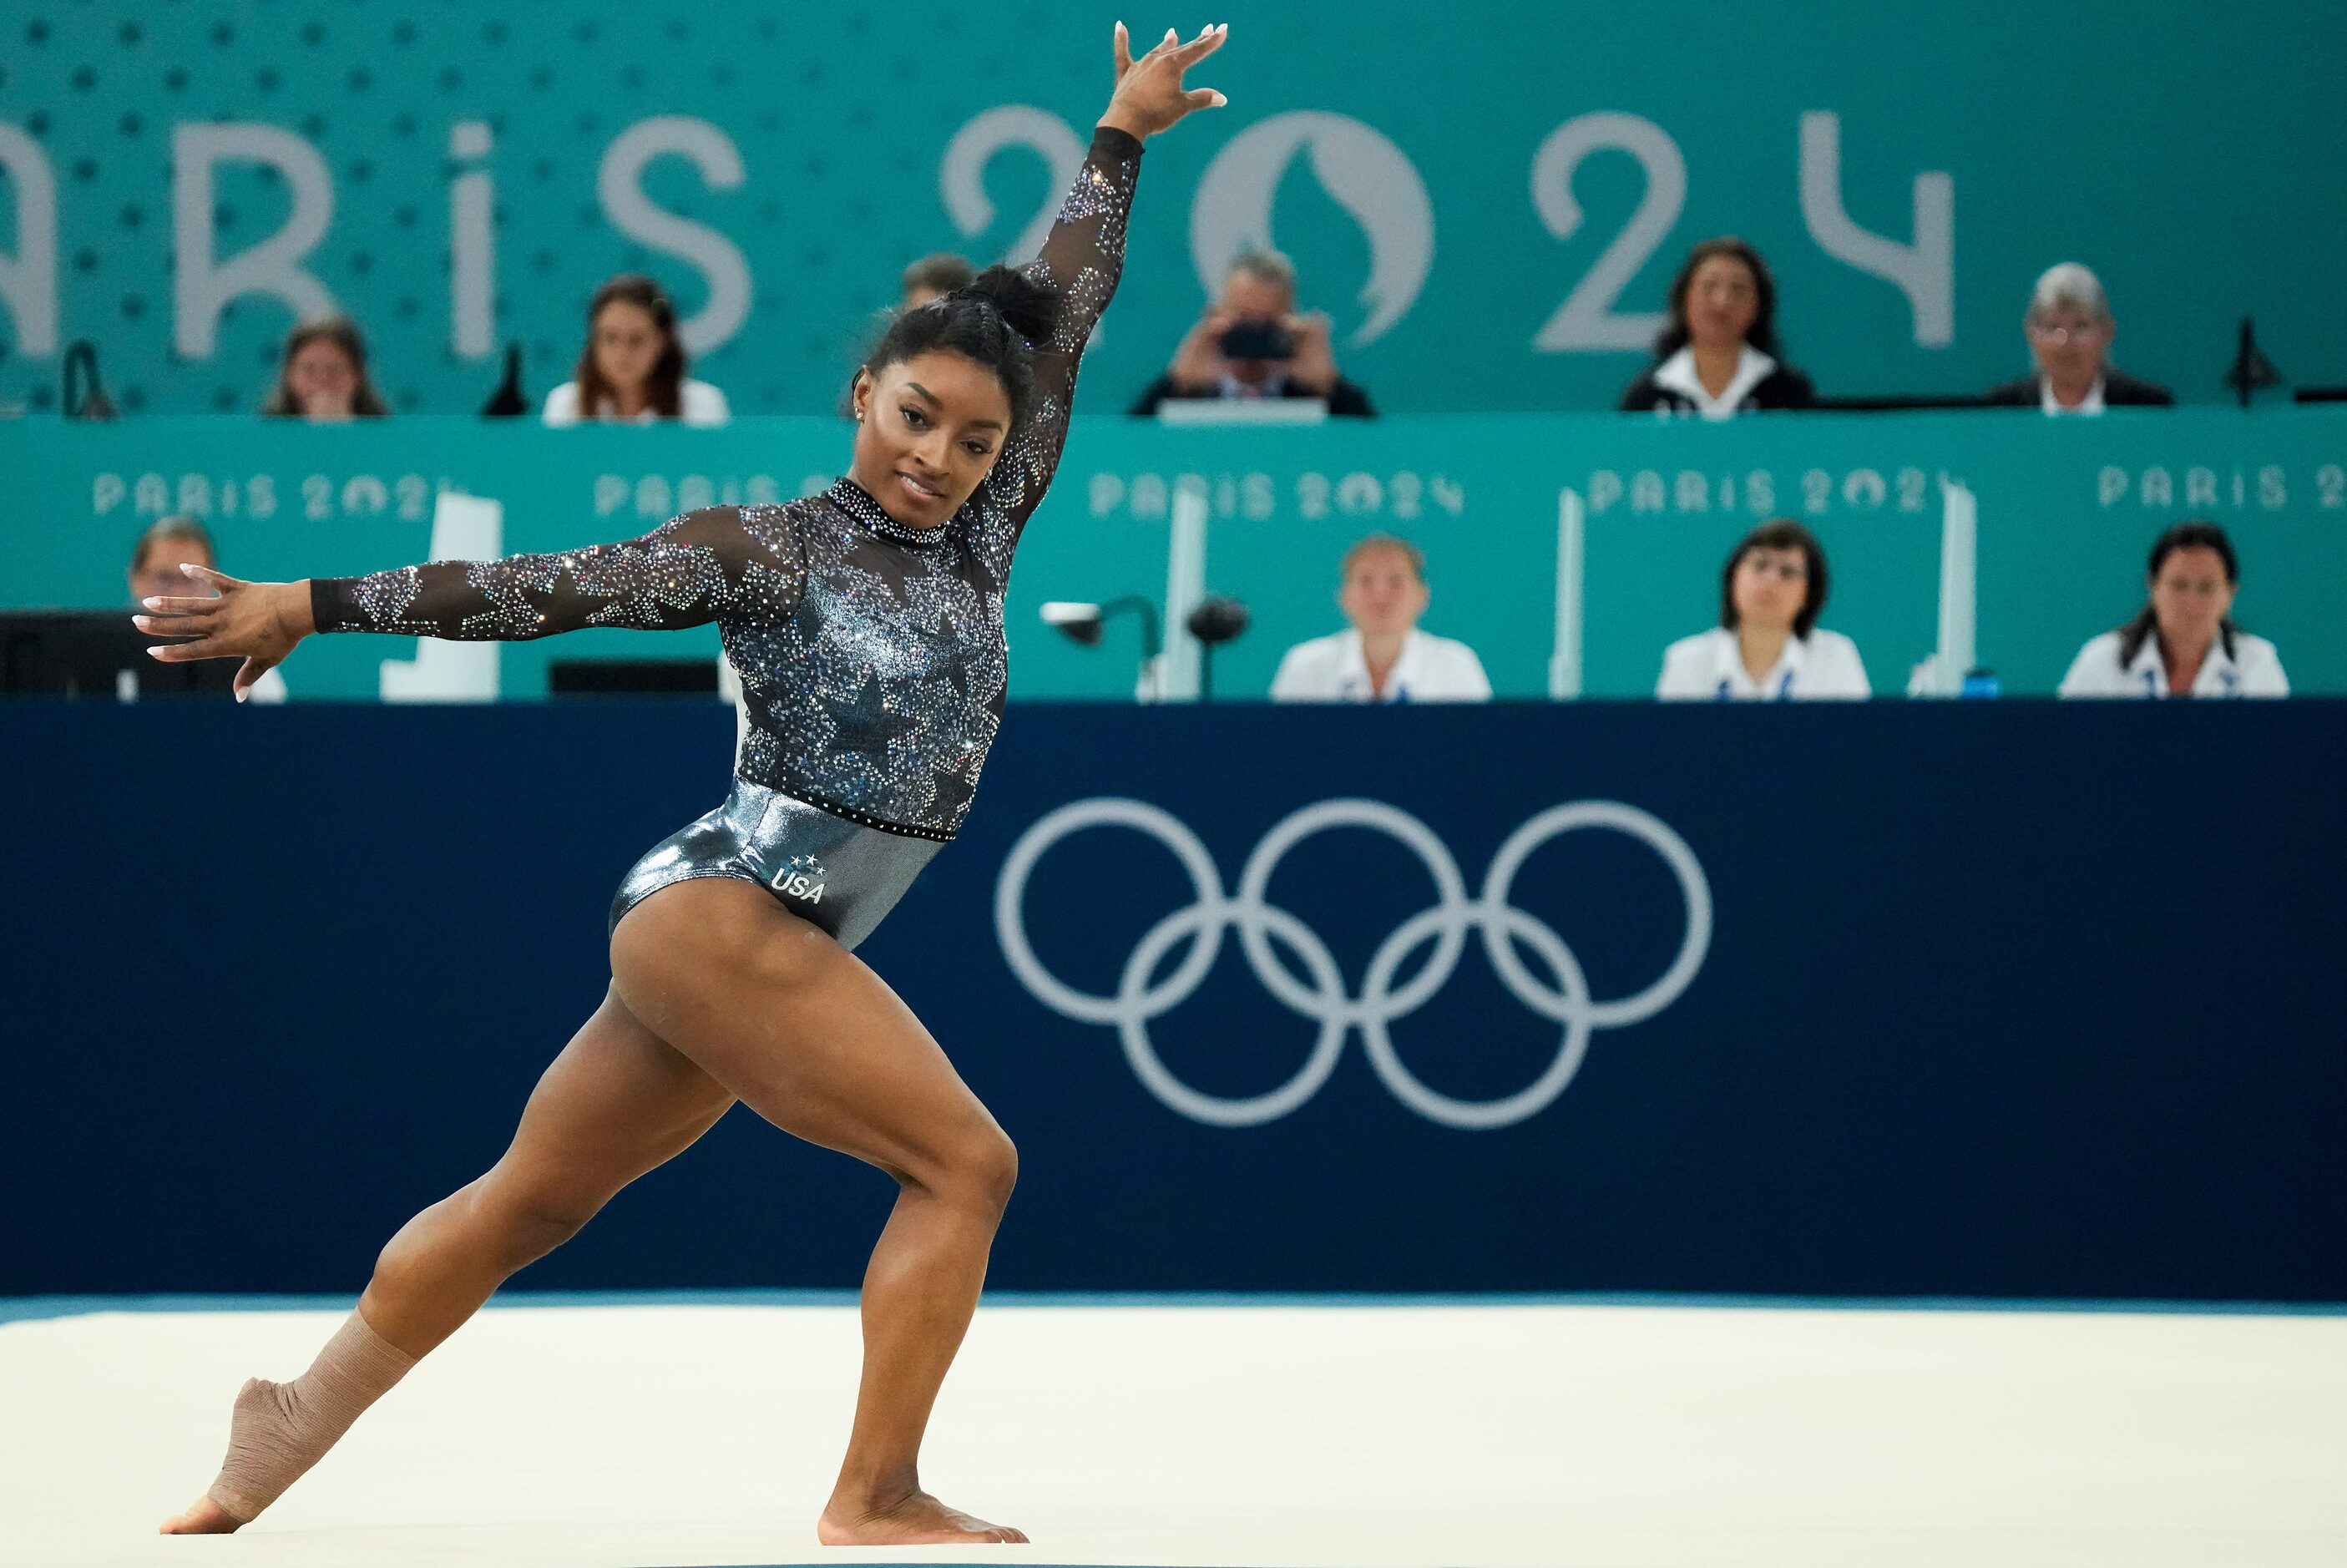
(1320, 994)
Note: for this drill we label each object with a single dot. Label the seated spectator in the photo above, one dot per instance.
(1385, 658)
(2184, 642)
(155, 562)
(933, 277)
(1767, 644)
(1718, 355)
(2069, 328)
(632, 368)
(1252, 344)
(323, 377)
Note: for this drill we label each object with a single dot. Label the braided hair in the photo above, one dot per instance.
(997, 319)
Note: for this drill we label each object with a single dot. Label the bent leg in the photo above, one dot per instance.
(619, 1102)
(807, 1036)
(616, 1103)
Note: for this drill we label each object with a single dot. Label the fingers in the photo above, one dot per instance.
(1205, 44)
(182, 652)
(1123, 51)
(1202, 99)
(206, 574)
(248, 675)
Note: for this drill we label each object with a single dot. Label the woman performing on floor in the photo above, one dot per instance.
(867, 625)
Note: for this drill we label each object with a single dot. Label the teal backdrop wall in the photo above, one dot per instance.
(1489, 200)
(2067, 509)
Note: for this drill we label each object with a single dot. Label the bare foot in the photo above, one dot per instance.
(204, 1517)
(918, 1519)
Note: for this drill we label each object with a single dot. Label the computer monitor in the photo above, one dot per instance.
(96, 654)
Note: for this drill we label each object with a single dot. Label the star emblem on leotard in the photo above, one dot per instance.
(865, 724)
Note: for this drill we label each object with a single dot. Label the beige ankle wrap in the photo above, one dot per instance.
(279, 1429)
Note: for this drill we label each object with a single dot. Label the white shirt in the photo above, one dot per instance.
(698, 403)
(1334, 670)
(1709, 667)
(2091, 404)
(2253, 670)
(1678, 375)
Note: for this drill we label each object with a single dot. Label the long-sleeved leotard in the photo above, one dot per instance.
(871, 654)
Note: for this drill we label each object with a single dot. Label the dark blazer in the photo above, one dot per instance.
(2119, 391)
(1783, 387)
(1345, 401)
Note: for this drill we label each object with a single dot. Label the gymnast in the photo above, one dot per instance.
(866, 625)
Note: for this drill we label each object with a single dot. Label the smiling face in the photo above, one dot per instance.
(2191, 597)
(1723, 299)
(928, 432)
(323, 381)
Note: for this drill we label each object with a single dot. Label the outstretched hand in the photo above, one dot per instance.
(1149, 95)
(258, 622)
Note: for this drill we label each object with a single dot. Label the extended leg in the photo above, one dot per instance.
(807, 1036)
(615, 1103)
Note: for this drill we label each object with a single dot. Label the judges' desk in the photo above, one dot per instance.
(2065, 513)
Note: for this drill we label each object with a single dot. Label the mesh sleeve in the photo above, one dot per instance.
(1081, 257)
(721, 563)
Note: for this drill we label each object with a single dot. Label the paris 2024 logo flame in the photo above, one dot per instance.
(1362, 172)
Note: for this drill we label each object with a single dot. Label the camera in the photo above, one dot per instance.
(1257, 340)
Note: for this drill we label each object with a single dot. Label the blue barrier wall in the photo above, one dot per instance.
(1996, 999)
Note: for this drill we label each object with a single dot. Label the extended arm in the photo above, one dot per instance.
(1084, 253)
(1082, 258)
(693, 569)
(721, 562)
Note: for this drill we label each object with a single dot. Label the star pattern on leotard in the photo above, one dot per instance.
(872, 656)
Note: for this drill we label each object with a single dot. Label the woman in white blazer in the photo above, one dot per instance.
(2184, 642)
(1767, 644)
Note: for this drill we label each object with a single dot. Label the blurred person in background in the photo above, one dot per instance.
(1252, 343)
(2069, 328)
(632, 368)
(933, 277)
(1385, 658)
(1718, 355)
(2184, 642)
(322, 376)
(155, 563)
(1767, 644)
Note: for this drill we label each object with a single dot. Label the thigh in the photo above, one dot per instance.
(796, 1027)
(617, 1101)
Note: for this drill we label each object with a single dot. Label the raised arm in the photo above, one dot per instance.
(721, 562)
(1084, 253)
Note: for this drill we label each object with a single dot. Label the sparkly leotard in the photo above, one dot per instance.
(871, 652)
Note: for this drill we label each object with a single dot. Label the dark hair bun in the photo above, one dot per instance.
(1026, 306)
(998, 319)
